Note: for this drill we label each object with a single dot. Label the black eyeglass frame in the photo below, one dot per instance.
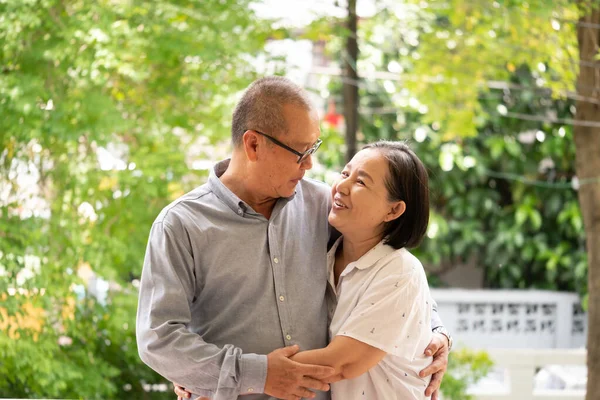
(301, 156)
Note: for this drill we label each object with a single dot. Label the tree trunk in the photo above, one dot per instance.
(351, 81)
(587, 144)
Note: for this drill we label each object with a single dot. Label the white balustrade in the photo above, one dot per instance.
(527, 319)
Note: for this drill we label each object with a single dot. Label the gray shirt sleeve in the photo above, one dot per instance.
(435, 317)
(165, 344)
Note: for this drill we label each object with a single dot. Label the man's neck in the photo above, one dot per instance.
(237, 179)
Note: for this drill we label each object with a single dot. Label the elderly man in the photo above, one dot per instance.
(234, 277)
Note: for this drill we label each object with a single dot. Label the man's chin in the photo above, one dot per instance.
(288, 191)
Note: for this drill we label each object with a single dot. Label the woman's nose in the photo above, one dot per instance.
(343, 186)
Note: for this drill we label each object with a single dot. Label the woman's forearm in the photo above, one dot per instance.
(317, 357)
(349, 357)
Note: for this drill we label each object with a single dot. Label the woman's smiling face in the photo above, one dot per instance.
(361, 202)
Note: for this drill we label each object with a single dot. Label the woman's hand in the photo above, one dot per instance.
(184, 394)
(438, 347)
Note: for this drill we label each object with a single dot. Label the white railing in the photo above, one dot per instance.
(525, 319)
(521, 366)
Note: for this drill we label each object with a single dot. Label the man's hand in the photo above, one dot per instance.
(438, 347)
(289, 380)
(184, 394)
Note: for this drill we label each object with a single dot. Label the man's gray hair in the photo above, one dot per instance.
(261, 107)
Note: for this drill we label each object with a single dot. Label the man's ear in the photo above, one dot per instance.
(250, 144)
(398, 208)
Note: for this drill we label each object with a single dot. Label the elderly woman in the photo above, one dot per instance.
(380, 327)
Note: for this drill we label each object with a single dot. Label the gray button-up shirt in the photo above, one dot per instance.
(222, 286)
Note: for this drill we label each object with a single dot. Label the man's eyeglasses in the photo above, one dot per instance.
(301, 156)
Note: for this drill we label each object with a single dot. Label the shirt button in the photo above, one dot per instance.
(281, 298)
(250, 390)
(276, 260)
(288, 337)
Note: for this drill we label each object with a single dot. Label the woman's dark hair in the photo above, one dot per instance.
(407, 181)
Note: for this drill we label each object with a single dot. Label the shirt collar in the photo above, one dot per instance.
(369, 259)
(223, 192)
(228, 197)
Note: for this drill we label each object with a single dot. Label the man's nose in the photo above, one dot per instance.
(307, 163)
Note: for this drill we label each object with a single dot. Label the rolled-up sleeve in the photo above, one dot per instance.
(436, 320)
(167, 289)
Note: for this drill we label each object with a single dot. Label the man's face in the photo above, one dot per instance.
(280, 169)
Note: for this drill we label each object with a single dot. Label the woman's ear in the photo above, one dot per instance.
(250, 145)
(398, 208)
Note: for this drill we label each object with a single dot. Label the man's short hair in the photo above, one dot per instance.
(261, 107)
(407, 181)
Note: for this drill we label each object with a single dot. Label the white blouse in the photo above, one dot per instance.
(383, 300)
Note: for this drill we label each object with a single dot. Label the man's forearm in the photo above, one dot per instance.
(204, 369)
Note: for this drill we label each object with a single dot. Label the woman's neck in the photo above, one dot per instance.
(355, 248)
